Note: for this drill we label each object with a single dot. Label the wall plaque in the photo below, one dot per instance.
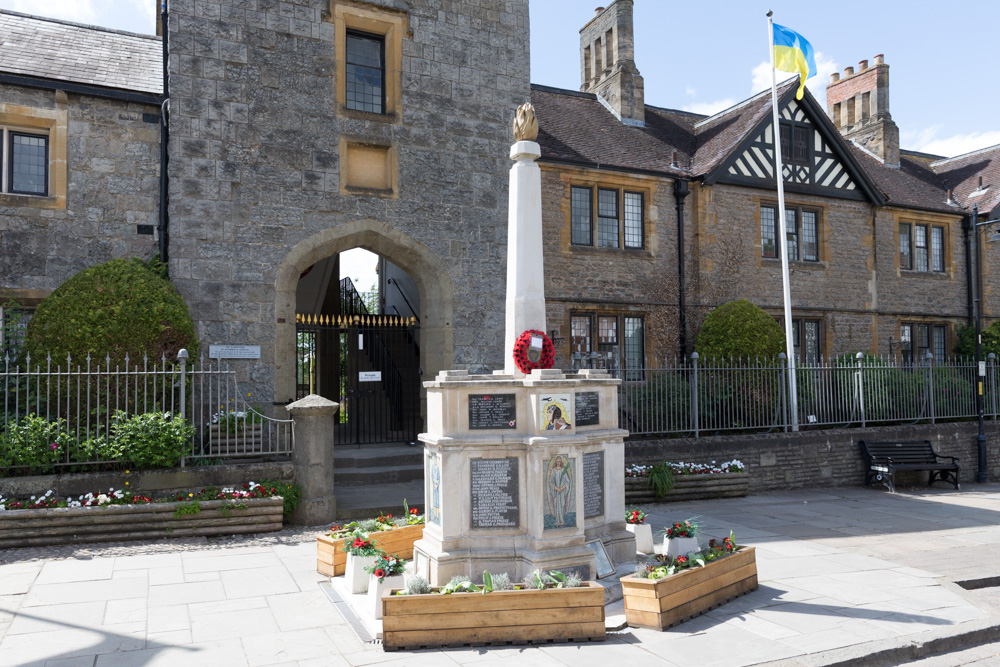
(588, 408)
(492, 411)
(494, 493)
(234, 351)
(593, 484)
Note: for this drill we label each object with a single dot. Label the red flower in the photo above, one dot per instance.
(380, 573)
(414, 511)
(682, 559)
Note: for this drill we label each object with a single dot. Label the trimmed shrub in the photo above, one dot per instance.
(739, 329)
(965, 341)
(120, 307)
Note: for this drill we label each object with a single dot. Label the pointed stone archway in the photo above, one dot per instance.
(428, 271)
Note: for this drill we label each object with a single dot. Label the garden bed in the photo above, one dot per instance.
(690, 487)
(661, 603)
(499, 617)
(331, 559)
(72, 525)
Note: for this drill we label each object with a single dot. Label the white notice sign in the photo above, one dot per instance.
(982, 369)
(234, 351)
(370, 376)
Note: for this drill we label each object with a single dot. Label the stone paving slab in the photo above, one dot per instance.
(847, 576)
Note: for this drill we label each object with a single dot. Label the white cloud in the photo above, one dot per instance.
(760, 77)
(926, 140)
(710, 108)
(690, 92)
(78, 11)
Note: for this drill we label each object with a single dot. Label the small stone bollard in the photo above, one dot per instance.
(313, 459)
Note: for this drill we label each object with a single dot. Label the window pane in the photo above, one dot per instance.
(365, 71)
(801, 146)
(906, 342)
(29, 164)
(580, 332)
(793, 235)
(811, 328)
(634, 345)
(923, 341)
(607, 330)
(937, 248)
(905, 260)
(810, 244)
(786, 142)
(633, 220)
(767, 233)
(580, 218)
(920, 247)
(797, 338)
(13, 330)
(939, 346)
(607, 218)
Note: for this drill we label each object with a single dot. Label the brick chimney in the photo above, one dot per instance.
(858, 105)
(607, 62)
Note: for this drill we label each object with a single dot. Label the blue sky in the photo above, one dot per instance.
(943, 92)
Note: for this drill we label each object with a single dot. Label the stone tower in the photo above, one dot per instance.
(858, 104)
(607, 62)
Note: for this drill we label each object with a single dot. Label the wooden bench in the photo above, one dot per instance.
(883, 459)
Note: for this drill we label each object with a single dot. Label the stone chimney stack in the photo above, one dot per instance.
(607, 62)
(858, 105)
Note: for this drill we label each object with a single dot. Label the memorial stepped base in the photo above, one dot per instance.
(376, 478)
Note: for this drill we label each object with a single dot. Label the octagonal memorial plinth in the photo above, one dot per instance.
(522, 473)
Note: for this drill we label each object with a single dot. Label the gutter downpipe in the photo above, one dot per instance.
(681, 191)
(967, 231)
(164, 222)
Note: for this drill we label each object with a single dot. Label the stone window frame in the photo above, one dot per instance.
(51, 123)
(624, 232)
(911, 349)
(936, 254)
(797, 230)
(810, 356)
(390, 26)
(612, 354)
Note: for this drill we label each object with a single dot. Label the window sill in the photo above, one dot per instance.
(369, 192)
(937, 275)
(390, 117)
(598, 250)
(31, 201)
(797, 264)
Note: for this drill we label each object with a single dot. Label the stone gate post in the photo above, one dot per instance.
(313, 459)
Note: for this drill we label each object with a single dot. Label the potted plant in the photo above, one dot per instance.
(385, 574)
(681, 538)
(676, 589)
(361, 552)
(635, 523)
(547, 606)
(394, 535)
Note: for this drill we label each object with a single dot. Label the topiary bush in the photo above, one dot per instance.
(739, 329)
(121, 307)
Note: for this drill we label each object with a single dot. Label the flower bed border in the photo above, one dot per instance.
(658, 604)
(113, 523)
(331, 559)
(497, 618)
(690, 487)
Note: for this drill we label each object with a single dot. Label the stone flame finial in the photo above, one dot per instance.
(525, 123)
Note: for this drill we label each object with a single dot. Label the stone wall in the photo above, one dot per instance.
(778, 461)
(111, 151)
(257, 151)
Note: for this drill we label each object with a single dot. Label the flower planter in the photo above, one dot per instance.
(661, 603)
(501, 617)
(113, 523)
(679, 546)
(643, 536)
(690, 487)
(354, 572)
(246, 440)
(331, 558)
(376, 591)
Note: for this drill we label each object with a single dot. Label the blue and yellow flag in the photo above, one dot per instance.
(793, 53)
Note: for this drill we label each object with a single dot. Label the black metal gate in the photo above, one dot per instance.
(370, 364)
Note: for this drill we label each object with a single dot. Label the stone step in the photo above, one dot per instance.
(367, 456)
(375, 475)
(366, 502)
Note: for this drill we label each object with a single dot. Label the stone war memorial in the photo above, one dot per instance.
(524, 468)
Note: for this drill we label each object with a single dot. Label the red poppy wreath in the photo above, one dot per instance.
(528, 358)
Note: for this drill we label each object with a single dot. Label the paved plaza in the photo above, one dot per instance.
(847, 576)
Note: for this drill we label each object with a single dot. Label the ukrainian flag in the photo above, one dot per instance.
(793, 53)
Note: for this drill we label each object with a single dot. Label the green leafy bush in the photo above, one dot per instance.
(290, 492)
(965, 341)
(34, 441)
(152, 440)
(116, 308)
(739, 329)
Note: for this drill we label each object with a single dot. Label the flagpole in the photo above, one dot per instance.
(782, 244)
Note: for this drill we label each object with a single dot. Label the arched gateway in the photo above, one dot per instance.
(428, 271)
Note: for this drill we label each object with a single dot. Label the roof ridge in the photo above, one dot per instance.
(740, 105)
(592, 96)
(85, 26)
(965, 155)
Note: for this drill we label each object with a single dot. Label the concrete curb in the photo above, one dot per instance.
(901, 649)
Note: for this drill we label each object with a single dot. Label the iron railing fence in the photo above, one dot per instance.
(89, 402)
(698, 397)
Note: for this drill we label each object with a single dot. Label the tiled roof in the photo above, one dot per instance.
(911, 185)
(51, 49)
(962, 173)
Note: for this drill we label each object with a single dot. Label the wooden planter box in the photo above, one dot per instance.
(690, 487)
(331, 559)
(112, 523)
(661, 603)
(503, 617)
